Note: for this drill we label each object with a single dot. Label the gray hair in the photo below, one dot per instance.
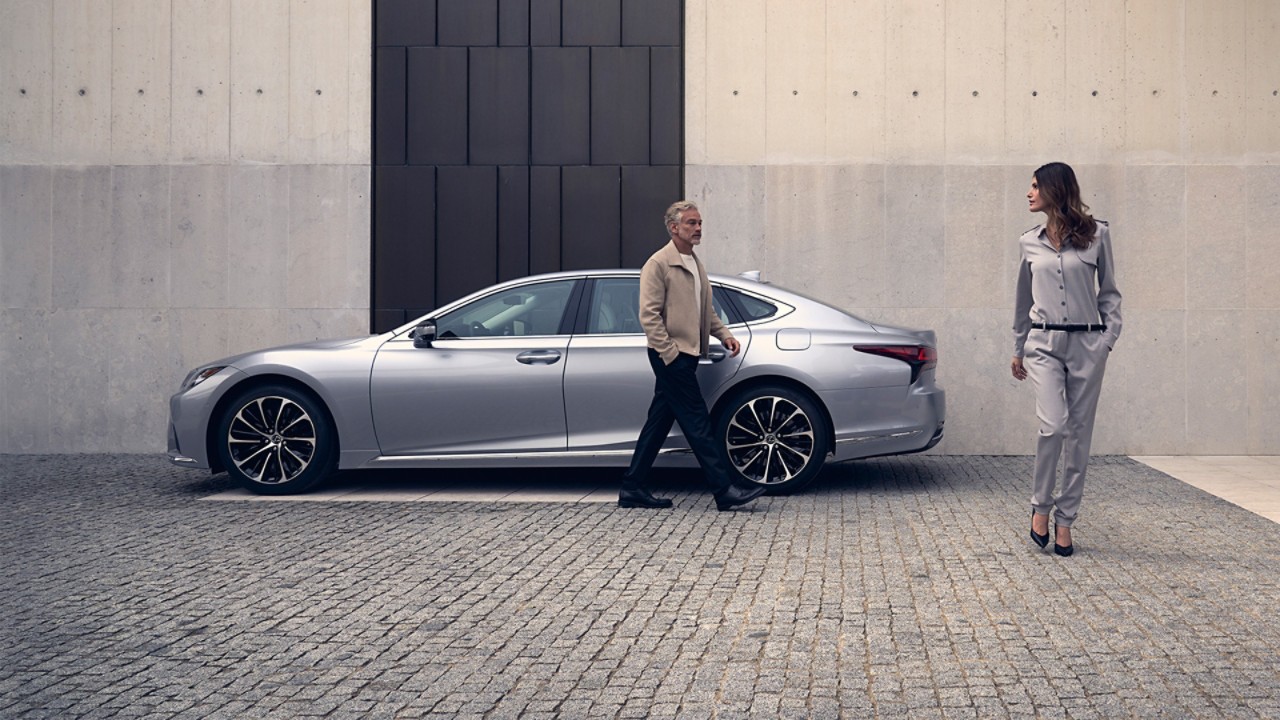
(675, 212)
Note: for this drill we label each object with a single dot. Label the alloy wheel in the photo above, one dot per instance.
(770, 439)
(271, 440)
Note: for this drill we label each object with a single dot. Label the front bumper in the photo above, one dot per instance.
(190, 414)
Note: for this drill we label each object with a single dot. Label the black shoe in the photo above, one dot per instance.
(640, 498)
(1040, 540)
(734, 496)
(1063, 550)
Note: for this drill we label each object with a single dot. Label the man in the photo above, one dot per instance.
(678, 320)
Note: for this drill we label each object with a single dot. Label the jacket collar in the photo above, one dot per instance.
(671, 255)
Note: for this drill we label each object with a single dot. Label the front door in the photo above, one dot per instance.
(491, 382)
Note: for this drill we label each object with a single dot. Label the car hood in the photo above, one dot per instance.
(235, 360)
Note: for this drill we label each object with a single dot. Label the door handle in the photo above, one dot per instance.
(715, 355)
(538, 357)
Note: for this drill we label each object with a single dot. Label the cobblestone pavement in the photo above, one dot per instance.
(899, 587)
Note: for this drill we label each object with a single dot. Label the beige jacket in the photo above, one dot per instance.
(668, 313)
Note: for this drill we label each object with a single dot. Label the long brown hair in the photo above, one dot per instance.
(1066, 211)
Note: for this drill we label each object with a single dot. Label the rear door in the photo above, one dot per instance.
(608, 383)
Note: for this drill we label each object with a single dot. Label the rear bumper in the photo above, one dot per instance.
(877, 421)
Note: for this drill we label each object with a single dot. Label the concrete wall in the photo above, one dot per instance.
(179, 180)
(876, 153)
(208, 192)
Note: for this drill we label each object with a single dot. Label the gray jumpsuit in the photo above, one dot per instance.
(1064, 287)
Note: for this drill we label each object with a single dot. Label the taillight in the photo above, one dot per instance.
(919, 357)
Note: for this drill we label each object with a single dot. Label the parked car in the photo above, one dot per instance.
(551, 370)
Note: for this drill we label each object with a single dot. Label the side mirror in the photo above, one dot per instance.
(424, 334)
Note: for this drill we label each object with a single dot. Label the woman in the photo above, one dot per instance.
(1066, 320)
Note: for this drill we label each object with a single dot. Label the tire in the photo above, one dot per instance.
(774, 436)
(275, 440)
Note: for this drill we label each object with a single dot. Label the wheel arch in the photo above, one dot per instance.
(256, 381)
(778, 380)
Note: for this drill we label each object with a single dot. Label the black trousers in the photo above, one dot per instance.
(677, 398)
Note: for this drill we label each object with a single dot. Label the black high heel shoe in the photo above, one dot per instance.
(1040, 540)
(1063, 550)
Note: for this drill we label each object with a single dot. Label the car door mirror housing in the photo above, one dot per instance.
(424, 334)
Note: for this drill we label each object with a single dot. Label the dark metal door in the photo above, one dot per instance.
(514, 137)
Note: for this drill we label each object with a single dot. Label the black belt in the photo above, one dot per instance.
(1075, 327)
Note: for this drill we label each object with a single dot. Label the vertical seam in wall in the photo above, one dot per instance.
(111, 83)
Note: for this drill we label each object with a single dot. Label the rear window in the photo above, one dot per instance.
(753, 308)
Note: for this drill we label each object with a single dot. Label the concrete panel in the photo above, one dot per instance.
(731, 199)
(80, 418)
(987, 410)
(259, 90)
(26, 236)
(319, 324)
(1150, 255)
(138, 238)
(1017, 219)
(359, 81)
(915, 236)
(26, 81)
(82, 82)
(1215, 80)
(825, 232)
(258, 236)
(915, 68)
(139, 379)
(318, 243)
(1216, 236)
(735, 105)
(81, 245)
(140, 82)
(975, 269)
(1217, 383)
(1262, 328)
(695, 82)
(196, 336)
(198, 236)
(1262, 274)
(1144, 394)
(795, 80)
(24, 380)
(1102, 189)
(201, 81)
(257, 328)
(356, 289)
(855, 81)
(1035, 84)
(1095, 83)
(1262, 80)
(318, 75)
(975, 44)
(1154, 67)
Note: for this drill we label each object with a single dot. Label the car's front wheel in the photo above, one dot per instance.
(774, 436)
(276, 440)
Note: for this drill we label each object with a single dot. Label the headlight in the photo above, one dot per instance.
(199, 375)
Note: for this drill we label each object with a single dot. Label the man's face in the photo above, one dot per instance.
(689, 230)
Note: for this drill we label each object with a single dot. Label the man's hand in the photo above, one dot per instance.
(731, 344)
(1019, 372)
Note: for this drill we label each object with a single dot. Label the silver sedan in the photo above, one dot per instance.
(551, 370)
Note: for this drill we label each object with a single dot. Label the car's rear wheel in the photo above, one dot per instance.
(774, 436)
(276, 440)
